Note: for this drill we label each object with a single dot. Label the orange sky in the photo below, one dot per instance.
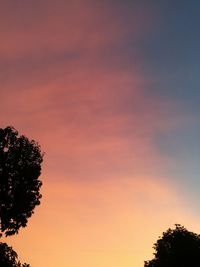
(73, 79)
(100, 222)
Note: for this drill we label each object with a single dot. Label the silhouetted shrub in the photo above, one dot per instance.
(20, 167)
(9, 258)
(176, 248)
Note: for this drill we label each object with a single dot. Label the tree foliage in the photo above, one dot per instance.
(20, 168)
(9, 258)
(176, 247)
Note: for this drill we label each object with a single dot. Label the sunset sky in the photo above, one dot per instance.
(110, 90)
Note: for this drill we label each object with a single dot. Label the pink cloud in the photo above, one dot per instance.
(102, 122)
(44, 28)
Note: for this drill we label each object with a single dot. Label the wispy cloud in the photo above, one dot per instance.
(73, 78)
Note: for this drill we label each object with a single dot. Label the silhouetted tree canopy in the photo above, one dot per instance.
(9, 258)
(20, 167)
(176, 248)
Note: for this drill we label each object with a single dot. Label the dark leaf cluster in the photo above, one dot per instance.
(176, 247)
(20, 167)
(9, 258)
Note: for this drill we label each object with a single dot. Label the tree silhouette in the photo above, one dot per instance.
(9, 258)
(20, 167)
(176, 248)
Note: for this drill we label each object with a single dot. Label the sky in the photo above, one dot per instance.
(110, 90)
